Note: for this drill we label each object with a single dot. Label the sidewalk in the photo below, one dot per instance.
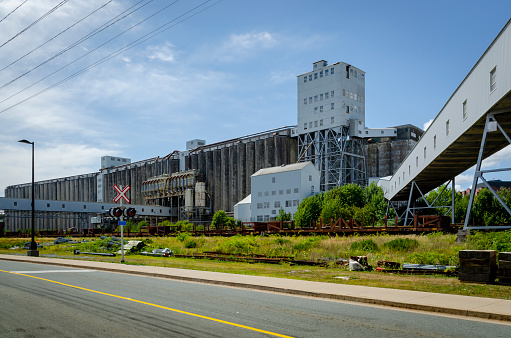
(489, 308)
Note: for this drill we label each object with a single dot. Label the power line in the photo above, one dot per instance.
(5, 17)
(33, 50)
(131, 45)
(76, 43)
(35, 22)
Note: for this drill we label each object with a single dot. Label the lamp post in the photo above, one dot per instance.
(33, 245)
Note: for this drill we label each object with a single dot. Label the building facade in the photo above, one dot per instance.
(282, 187)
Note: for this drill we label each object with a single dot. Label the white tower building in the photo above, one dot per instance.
(331, 123)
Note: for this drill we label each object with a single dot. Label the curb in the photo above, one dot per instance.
(355, 299)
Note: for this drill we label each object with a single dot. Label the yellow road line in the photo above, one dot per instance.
(155, 305)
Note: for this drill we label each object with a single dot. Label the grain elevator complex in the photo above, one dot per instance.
(194, 183)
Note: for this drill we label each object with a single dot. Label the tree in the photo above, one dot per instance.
(445, 200)
(309, 210)
(333, 210)
(488, 211)
(283, 215)
(220, 218)
(375, 199)
(348, 195)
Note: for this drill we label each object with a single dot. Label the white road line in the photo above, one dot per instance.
(50, 271)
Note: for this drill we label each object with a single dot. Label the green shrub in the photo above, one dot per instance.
(283, 215)
(190, 243)
(431, 258)
(238, 245)
(184, 225)
(306, 243)
(165, 223)
(496, 240)
(282, 241)
(402, 244)
(366, 245)
(182, 236)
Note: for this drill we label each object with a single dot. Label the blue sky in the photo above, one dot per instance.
(226, 72)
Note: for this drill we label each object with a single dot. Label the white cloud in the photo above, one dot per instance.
(239, 47)
(426, 125)
(497, 159)
(252, 40)
(279, 77)
(162, 53)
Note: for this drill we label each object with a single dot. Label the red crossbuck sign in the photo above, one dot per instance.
(122, 193)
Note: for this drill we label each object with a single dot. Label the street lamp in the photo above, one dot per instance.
(33, 245)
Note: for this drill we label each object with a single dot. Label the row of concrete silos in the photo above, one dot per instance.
(384, 157)
(227, 168)
(74, 188)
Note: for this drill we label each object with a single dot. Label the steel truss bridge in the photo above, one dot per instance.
(474, 124)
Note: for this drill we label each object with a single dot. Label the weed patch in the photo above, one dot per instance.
(498, 240)
(366, 245)
(402, 244)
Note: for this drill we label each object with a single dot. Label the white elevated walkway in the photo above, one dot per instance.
(452, 143)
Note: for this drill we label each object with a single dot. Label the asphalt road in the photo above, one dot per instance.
(66, 302)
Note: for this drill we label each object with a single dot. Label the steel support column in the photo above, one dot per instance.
(491, 125)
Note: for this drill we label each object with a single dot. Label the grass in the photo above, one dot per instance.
(433, 248)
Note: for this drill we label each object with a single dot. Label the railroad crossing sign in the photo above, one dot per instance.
(121, 193)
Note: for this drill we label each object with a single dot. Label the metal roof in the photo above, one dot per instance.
(282, 168)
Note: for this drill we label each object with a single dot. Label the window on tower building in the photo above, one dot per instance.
(315, 76)
(321, 74)
(304, 101)
(321, 97)
(315, 98)
(332, 119)
(310, 77)
(320, 123)
(305, 126)
(320, 109)
(310, 99)
(305, 79)
(315, 124)
(326, 72)
(332, 106)
(332, 93)
(315, 110)
(326, 95)
(331, 70)
(347, 109)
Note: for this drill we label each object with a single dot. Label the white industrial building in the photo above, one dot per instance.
(281, 187)
(331, 123)
(242, 209)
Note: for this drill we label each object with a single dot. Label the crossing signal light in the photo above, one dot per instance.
(130, 212)
(115, 212)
